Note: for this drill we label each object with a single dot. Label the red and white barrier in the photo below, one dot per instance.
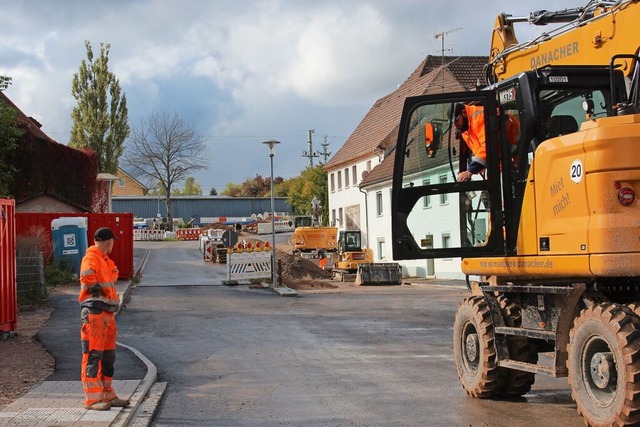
(148, 234)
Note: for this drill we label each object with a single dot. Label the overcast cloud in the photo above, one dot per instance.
(241, 71)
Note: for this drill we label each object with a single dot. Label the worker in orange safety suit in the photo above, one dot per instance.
(99, 301)
(469, 123)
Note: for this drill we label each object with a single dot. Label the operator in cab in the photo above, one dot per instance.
(469, 125)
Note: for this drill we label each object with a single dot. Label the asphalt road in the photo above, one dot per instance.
(356, 356)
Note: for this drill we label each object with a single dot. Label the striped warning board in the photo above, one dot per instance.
(249, 265)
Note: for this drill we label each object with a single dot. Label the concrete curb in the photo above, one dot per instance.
(141, 392)
(129, 414)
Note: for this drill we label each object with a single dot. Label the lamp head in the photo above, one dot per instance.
(272, 145)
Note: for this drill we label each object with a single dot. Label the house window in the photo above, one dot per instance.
(339, 180)
(444, 197)
(333, 184)
(381, 254)
(346, 178)
(354, 174)
(121, 182)
(340, 216)
(446, 241)
(368, 165)
(426, 199)
(379, 203)
(333, 216)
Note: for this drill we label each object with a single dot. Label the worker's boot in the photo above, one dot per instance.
(98, 406)
(118, 403)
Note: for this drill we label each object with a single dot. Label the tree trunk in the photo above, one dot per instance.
(168, 204)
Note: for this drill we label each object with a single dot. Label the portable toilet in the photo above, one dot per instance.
(69, 235)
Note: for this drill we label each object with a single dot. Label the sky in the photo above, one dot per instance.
(239, 71)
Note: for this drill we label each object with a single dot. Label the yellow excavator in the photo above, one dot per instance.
(549, 232)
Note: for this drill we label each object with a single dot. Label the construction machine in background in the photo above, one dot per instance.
(308, 238)
(355, 263)
(309, 235)
(549, 234)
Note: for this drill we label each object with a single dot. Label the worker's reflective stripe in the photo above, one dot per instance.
(87, 272)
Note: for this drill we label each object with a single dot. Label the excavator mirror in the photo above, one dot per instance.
(431, 138)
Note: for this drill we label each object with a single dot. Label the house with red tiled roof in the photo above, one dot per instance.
(360, 173)
(51, 177)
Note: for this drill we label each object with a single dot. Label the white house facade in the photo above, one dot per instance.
(360, 173)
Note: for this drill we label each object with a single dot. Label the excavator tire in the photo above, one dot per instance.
(635, 307)
(604, 363)
(517, 383)
(474, 349)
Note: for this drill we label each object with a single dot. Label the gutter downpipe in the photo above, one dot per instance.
(366, 215)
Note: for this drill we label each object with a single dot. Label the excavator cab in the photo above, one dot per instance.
(484, 217)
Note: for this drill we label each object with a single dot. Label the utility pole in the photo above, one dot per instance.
(310, 154)
(325, 146)
(442, 36)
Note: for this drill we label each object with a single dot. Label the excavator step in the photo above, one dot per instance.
(536, 369)
(529, 333)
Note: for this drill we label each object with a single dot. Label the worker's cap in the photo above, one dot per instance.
(103, 234)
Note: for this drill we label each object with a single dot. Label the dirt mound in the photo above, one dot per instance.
(295, 267)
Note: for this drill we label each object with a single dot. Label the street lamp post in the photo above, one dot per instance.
(274, 277)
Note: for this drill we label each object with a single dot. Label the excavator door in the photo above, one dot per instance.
(427, 196)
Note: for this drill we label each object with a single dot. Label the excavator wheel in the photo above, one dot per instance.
(474, 350)
(604, 363)
(635, 307)
(517, 383)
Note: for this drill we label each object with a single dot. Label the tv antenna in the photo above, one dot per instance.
(442, 35)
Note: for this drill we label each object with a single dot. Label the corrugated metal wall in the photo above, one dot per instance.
(120, 223)
(8, 288)
(187, 207)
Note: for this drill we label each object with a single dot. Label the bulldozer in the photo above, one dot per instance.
(549, 232)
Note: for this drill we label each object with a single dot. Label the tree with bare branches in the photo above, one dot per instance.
(164, 149)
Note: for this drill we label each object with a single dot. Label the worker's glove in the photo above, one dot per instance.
(84, 315)
(95, 291)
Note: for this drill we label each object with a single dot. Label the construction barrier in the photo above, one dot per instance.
(188, 233)
(281, 226)
(248, 265)
(148, 234)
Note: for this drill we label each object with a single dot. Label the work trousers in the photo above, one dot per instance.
(98, 336)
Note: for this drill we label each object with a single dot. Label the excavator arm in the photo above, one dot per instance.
(588, 35)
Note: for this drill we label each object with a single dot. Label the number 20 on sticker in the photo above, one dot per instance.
(576, 172)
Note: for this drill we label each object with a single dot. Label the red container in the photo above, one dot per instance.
(120, 223)
(8, 287)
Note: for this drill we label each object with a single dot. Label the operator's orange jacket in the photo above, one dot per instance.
(475, 137)
(98, 269)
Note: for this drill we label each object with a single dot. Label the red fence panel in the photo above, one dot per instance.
(8, 287)
(120, 223)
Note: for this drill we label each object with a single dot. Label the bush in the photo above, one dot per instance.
(36, 240)
(60, 272)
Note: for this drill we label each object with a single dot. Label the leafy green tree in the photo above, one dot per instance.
(191, 187)
(232, 190)
(100, 120)
(312, 182)
(165, 149)
(213, 192)
(254, 187)
(9, 137)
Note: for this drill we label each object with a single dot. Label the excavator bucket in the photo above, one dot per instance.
(380, 274)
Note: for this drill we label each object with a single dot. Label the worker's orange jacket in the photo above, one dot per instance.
(475, 137)
(98, 269)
